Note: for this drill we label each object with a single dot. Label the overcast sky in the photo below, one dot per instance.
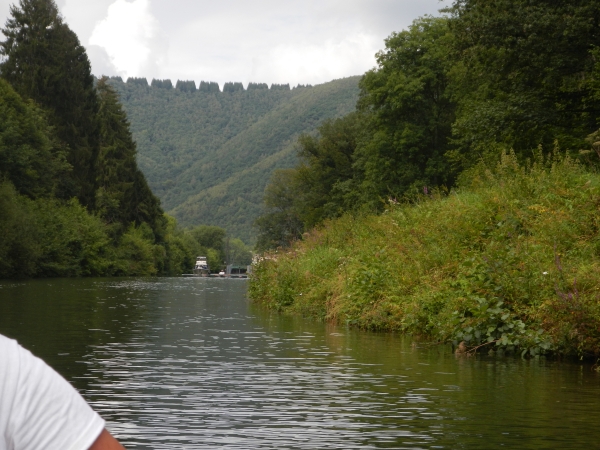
(268, 41)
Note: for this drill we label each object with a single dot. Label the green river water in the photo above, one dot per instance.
(176, 363)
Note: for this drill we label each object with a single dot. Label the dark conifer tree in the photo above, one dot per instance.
(233, 87)
(209, 86)
(256, 86)
(28, 157)
(163, 84)
(138, 81)
(123, 195)
(186, 86)
(44, 61)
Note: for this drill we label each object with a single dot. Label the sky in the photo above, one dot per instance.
(264, 41)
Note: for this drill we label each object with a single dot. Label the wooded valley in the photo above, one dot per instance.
(208, 155)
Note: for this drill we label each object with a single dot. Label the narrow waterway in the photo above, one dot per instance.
(191, 363)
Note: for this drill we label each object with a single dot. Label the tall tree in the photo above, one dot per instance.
(523, 74)
(280, 224)
(28, 157)
(44, 61)
(123, 196)
(411, 114)
(325, 177)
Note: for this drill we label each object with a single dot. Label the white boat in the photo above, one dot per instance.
(201, 267)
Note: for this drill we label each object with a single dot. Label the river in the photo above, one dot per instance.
(190, 363)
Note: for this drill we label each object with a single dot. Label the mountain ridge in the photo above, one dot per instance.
(209, 156)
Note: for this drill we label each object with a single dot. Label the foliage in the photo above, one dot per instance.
(209, 86)
(165, 84)
(281, 223)
(19, 246)
(136, 253)
(320, 187)
(524, 74)
(510, 261)
(45, 238)
(74, 202)
(396, 142)
(123, 196)
(44, 61)
(252, 86)
(210, 241)
(28, 156)
(412, 114)
(180, 249)
(326, 171)
(238, 253)
(207, 155)
(485, 77)
(143, 82)
(186, 86)
(233, 87)
(208, 236)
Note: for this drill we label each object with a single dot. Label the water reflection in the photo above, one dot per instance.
(188, 363)
(59, 320)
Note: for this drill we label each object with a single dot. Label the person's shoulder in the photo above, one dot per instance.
(8, 345)
(4, 340)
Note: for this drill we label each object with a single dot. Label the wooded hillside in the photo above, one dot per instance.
(209, 154)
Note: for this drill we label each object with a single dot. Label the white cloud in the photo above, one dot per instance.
(132, 38)
(4, 10)
(315, 63)
(82, 16)
(270, 41)
(274, 41)
(101, 62)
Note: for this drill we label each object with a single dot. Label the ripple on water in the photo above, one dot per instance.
(189, 363)
(195, 382)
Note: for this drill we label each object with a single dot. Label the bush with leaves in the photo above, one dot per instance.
(513, 252)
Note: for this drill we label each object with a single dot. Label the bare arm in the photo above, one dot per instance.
(106, 442)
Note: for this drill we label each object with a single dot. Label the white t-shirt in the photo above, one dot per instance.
(40, 410)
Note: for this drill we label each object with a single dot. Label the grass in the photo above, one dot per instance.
(508, 262)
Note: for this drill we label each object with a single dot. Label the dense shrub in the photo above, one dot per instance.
(509, 261)
(46, 237)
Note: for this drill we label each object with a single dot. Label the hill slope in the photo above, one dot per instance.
(209, 155)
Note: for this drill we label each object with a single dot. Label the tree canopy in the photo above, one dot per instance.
(44, 61)
(29, 158)
(524, 74)
(123, 196)
(488, 76)
(208, 154)
(74, 201)
(408, 111)
(185, 86)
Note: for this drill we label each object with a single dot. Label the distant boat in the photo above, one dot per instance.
(201, 267)
(237, 271)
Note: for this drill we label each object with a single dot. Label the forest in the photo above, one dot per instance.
(73, 201)
(447, 93)
(459, 201)
(207, 154)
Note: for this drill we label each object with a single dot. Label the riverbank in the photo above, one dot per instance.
(510, 262)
